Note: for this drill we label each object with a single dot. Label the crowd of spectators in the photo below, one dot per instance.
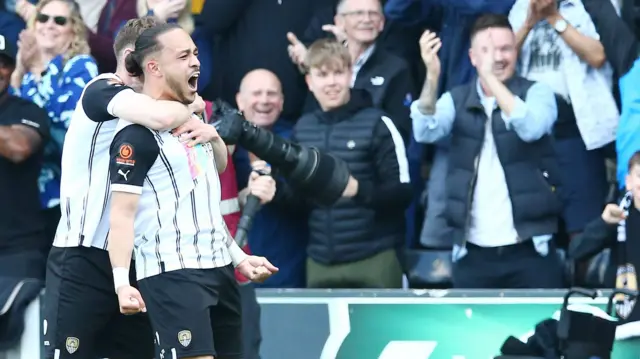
(418, 216)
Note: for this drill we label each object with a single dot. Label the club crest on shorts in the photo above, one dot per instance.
(184, 337)
(72, 344)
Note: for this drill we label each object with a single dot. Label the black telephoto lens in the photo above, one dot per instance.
(319, 176)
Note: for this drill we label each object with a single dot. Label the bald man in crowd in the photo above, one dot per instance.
(279, 233)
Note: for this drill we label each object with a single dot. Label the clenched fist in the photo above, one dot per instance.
(130, 300)
(613, 214)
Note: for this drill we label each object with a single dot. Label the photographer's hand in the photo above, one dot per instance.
(352, 188)
(262, 186)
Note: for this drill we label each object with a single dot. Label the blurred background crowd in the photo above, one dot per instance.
(252, 55)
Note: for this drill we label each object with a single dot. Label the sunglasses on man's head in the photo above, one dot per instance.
(44, 18)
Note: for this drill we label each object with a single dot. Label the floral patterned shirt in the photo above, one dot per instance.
(57, 91)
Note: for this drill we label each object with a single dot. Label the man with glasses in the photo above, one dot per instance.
(386, 77)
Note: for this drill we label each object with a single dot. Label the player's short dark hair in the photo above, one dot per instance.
(490, 21)
(147, 43)
(633, 161)
(129, 33)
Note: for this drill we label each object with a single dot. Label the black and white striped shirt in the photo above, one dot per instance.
(84, 189)
(178, 224)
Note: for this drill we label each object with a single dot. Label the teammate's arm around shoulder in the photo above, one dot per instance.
(107, 99)
(133, 152)
(155, 114)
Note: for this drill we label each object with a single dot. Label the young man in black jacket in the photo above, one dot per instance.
(619, 229)
(353, 243)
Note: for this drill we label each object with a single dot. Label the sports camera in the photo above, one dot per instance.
(321, 177)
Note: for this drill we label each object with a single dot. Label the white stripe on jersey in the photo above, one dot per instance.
(178, 224)
(84, 188)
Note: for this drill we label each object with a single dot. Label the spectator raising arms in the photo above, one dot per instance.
(499, 202)
(559, 47)
(52, 69)
(357, 25)
(352, 244)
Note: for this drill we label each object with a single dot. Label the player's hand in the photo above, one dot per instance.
(198, 105)
(256, 269)
(130, 300)
(613, 214)
(195, 131)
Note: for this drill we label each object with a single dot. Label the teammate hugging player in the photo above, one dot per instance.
(81, 317)
(166, 201)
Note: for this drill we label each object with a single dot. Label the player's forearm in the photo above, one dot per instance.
(236, 253)
(120, 248)
(166, 115)
(121, 234)
(158, 115)
(220, 154)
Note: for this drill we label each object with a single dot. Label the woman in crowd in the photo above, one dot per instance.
(103, 19)
(52, 69)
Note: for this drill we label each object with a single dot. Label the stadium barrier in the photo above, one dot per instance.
(411, 324)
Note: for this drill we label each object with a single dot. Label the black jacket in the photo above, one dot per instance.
(252, 34)
(624, 259)
(373, 221)
(388, 80)
(528, 166)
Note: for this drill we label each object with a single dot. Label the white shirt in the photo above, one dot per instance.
(84, 185)
(178, 224)
(491, 210)
(360, 61)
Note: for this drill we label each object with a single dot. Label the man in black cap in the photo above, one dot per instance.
(23, 133)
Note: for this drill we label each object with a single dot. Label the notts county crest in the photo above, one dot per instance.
(72, 344)
(184, 337)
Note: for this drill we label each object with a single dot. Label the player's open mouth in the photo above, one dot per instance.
(193, 81)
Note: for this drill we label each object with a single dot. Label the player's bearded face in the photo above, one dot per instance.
(180, 88)
(180, 65)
